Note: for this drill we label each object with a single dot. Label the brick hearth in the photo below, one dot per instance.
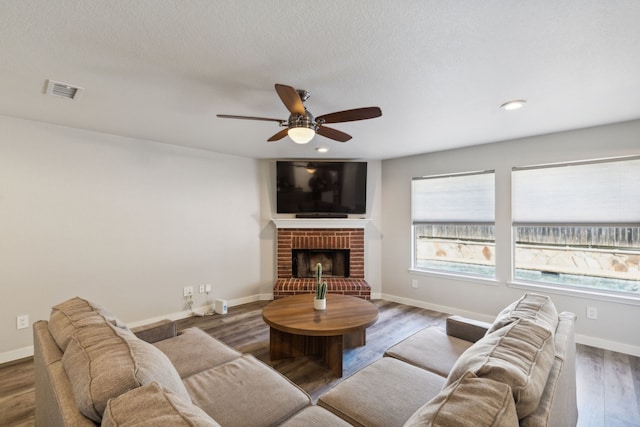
(321, 238)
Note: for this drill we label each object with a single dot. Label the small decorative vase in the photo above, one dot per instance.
(319, 304)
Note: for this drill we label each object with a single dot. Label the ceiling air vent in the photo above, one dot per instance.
(63, 90)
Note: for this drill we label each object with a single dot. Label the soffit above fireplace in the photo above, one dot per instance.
(320, 222)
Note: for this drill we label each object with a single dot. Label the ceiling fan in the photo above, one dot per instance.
(301, 126)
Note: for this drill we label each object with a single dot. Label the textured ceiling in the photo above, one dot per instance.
(161, 70)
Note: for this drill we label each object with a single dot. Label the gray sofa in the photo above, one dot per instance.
(91, 370)
(518, 370)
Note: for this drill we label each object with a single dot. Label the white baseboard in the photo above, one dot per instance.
(436, 307)
(171, 316)
(178, 315)
(619, 347)
(17, 354)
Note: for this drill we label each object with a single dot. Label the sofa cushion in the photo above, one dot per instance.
(246, 392)
(430, 349)
(385, 393)
(76, 313)
(535, 307)
(470, 401)
(194, 351)
(519, 355)
(103, 361)
(151, 406)
(558, 404)
(315, 416)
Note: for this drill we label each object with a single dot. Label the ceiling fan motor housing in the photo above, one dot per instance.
(300, 121)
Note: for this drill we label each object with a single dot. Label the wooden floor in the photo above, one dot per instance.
(608, 383)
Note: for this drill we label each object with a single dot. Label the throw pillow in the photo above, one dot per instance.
(520, 355)
(470, 401)
(103, 361)
(151, 406)
(76, 313)
(535, 307)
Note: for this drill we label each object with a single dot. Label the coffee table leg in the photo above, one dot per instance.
(355, 339)
(283, 345)
(333, 354)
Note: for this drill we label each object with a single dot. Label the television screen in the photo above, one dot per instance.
(307, 187)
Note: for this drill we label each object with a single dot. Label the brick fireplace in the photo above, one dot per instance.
(329, 246)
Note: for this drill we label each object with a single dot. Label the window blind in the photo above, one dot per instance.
(463, 198)
(598, 192)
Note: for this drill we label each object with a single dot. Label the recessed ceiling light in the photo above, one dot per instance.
(513, 105)
(322, 149)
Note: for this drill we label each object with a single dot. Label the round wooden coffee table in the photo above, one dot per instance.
(296, 329)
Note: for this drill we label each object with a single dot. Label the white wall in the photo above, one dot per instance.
(616, 327)
(372, 233)
(124, 222)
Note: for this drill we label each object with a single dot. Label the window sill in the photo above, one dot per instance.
(593, 294)
(454, 276)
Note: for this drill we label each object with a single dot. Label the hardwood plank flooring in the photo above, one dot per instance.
(608, 383)
(17, 393)
(590, 386)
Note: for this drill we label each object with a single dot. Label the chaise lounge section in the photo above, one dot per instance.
(519, 370)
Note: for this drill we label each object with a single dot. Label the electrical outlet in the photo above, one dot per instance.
(202, 288)
(22, 322)
(414, 284)
(208, 288)
(187, 291)
(592, 312)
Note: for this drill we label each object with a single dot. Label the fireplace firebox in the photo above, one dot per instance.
(335, 262)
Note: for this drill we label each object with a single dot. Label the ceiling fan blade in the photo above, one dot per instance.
(333, 134)
(351, 115)
(228, 116)
(278, 136)
(290, 99)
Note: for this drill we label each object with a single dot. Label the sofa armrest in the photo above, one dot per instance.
(156, 331)
(466, 329)
(55, 404)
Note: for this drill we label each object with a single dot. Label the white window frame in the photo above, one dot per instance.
(613, 212)
(452, 214)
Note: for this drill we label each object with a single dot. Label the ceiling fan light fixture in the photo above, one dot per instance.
(311, 168)
(513, 105)
(301, 126)
(301, 135)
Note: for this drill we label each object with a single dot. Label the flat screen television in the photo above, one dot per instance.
(321, 188)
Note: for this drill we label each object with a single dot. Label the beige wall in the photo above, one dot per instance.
(128, 223)
(616, 327)
(125, 222)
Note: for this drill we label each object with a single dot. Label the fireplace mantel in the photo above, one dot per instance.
(320, 222)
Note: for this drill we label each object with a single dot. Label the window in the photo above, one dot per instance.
(578, 225)
(453, 219)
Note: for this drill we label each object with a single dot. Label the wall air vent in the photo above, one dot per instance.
(63, 90)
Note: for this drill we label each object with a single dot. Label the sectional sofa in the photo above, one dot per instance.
(92, 370)
(518, 370)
